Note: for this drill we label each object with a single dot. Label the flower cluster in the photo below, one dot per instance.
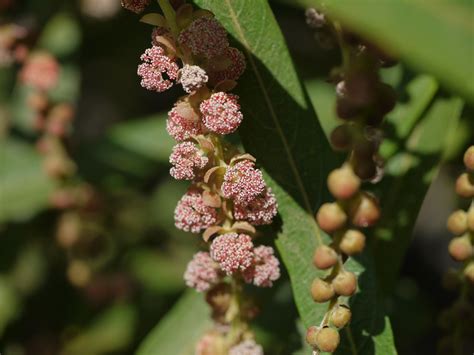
(362, 101)
(460, 316)
(228, 196)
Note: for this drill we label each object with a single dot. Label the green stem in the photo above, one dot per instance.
(170, 16)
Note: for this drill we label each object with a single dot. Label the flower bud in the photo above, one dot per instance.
(469, 272)
(343, 183)
(469, 158)
(470, 218)
(340, 316)
(465, 186)
(324, 257)
(311, 336)
(327, 339)
(365, 169)
(341, 138)
(346, 110)
(460, 248)
(457, 222)
(331, 217)
(345, 283)
(321, 290)
(365, 211)
(352, 242)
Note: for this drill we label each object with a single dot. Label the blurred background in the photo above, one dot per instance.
(104, 294)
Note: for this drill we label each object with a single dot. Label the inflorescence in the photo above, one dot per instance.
(362, 101)
(228, 196)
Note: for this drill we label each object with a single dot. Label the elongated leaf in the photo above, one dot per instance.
(433, 36)
(409, 174)
(24, 189)
(179, 331)
(281, 130)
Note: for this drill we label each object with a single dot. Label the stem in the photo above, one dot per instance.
(170, 16)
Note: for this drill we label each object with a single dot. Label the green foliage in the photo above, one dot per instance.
(436, 36)
(22, 181)
(179, 331)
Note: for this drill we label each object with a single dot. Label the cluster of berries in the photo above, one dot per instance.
(459, 318)
(76, 200)
(362, 101)
(228, 196)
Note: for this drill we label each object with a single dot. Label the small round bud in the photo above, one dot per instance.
(460, 248)
(469, 272)
(321, 290)
(352, 242)
(365, 211)
(387, 98)
(324, 257)
(340, 316)
(465, 186)
(470, 218)
(365, 169)
(343, 183)
(341, 138)
(346, 110)
(345, 283)
(331, 217)
(457, 222)
(328, 339)
(469, 158)
(311, 336)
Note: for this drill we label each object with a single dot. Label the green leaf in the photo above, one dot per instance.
(409, 173)
(111, 331)
(435, 37)
(24, 188)
(146, 137)
(181, 328)
(281, 129)
(62, 35)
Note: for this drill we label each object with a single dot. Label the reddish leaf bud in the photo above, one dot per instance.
(352, 242)
(324, 257)
(465, 186)
(457, 222)
(327, 339)
(469, 158)
(331, 217)
(345, 283)
(365, 211)
(321, 290)
(460, 248)
(343, 183)
(340, 316)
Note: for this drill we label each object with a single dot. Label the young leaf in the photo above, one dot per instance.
(433, 36)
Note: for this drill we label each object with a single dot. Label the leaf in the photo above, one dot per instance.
(145, 136)
(409, 174)
(62, 35)
(281, 129)
(435, 37)
(24, 188)
(181, 328)
(111, 331)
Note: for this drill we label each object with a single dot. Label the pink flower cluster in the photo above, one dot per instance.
(221, 113)
(243, 182)
(187, 161)
(202, 272)
(155, 65)
(235, 254)
(246, 347)
(136, 6)
(192, 214)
